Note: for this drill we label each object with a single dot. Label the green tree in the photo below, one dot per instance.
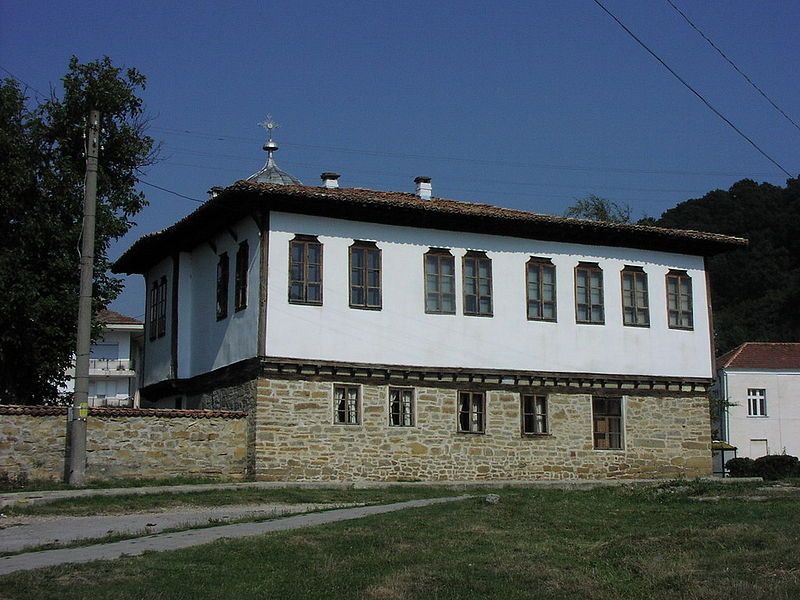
(755, 291)
(595, 208)
(42, 169)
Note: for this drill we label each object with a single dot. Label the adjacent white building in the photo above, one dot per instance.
(759, 383)
(113, 379)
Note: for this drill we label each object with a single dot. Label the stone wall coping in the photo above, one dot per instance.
(47, 411)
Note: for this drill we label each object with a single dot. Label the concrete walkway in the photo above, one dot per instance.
(20, 532)
(194, 537)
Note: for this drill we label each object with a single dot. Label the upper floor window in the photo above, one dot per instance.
(347, 404)
(679, 300)
(158, 308)
(240, 285)
(305, 270)
(540, 276)
(635, 304)
(401, 407)
(472, 412)
(223, 267)
(589, 294)
(477, 284)
(365, 275)
(440, 287)
(534, 414)
(607, 423)
(756, 403)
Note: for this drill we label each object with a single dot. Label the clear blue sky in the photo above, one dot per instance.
(526, 104)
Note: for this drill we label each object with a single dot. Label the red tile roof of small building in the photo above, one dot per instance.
(111, 317)
(762, 355)
(110, 412)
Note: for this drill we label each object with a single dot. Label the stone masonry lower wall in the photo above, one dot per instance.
(125, 443)
(297, 440)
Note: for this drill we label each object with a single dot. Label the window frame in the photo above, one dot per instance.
(589, 268)
(544, 426)
(440, 254)
(158, 309)
(474, 289)
(347, 422)
(541, 264)
(366, 248)
(306, 241)
(223, 284)
(608, 418)
(162, 307)
(757, 403)
(636, 273)
(679, 276)
(240, 284)
(412, 408)
(482, 412)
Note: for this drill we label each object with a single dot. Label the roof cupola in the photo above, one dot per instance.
(270, 173)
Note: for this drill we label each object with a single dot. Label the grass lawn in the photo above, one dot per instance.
(605, 543)
(109, 505)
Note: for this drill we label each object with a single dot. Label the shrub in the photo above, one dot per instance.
(777, 466)
(742, 467)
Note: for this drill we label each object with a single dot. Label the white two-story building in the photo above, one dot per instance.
(387, 335)
(113, 380)
(759, 383)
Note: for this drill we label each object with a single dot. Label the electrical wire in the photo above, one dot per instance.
(163, 189)
(691, 89)
(430, 157)
(38, 93)
(732, 64)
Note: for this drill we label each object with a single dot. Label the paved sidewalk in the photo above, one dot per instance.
(193, 537)
(20, 532)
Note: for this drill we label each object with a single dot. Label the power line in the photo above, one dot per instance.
(378, 153)
(38, 93)
(163, 189)
(694, 91)
(731, 63)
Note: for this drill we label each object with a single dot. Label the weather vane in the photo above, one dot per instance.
(268, 124)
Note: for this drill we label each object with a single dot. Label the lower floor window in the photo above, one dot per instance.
(607, 418)
(401, 407)
(534, 414)
(346, 404)
(472, 412)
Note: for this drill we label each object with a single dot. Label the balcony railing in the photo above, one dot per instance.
(110, 364)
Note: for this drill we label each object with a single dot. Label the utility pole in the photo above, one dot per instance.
(79, 411)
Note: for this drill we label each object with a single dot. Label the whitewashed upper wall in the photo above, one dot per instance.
(403, 334)
(205, 344)
(157, 351)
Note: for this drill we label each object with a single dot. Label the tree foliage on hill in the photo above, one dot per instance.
(42, 169)
(595, 208)
(755, 290)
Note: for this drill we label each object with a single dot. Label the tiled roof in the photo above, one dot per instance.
(110, 317)
(762, 355)
(44, 411)
(398, 208)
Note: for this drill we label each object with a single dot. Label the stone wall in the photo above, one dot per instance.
(297, 440)
(125, 443)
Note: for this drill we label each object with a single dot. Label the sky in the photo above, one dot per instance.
(529, 105)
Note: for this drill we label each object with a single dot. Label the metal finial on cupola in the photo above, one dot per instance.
(270, 173)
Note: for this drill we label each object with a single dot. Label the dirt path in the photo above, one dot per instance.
(193, 537)
(19, 532)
